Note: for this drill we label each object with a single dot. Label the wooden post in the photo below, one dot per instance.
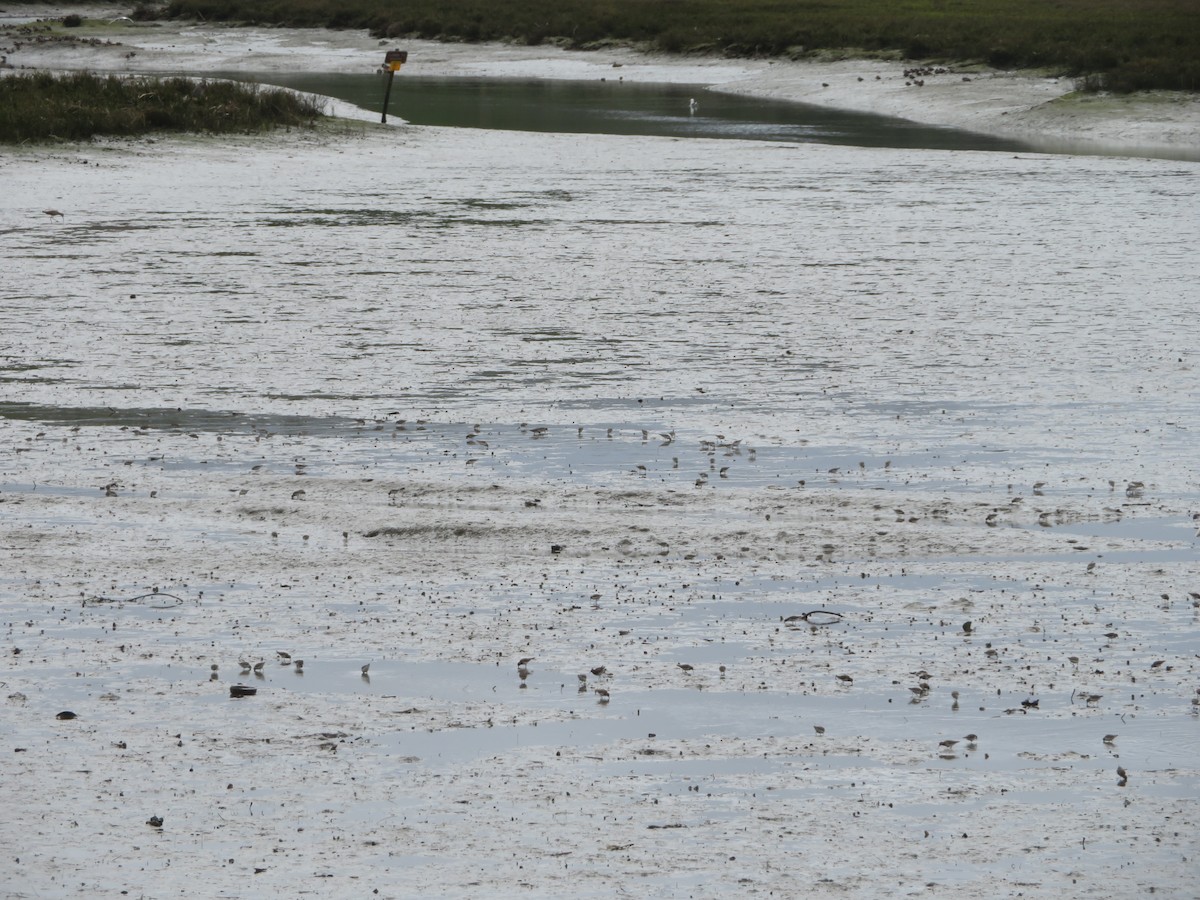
(387, 94)
(392, 61)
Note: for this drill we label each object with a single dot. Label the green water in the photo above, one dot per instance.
(614, 107)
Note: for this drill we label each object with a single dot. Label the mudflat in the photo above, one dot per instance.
(595, 514)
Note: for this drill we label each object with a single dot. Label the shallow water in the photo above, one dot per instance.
(612, 107)
(702, 707)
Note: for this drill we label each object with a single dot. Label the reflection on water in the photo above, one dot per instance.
(656, 720)
(613, 107)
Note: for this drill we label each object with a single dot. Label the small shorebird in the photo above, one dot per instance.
(54, 212)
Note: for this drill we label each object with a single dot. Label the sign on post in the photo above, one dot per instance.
(392, 61)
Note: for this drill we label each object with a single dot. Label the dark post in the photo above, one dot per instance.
(392, 61)
(387, 95)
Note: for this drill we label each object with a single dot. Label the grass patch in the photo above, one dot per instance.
(43, 107)
(1123, 44)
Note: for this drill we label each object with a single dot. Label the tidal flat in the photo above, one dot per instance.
(435, 401)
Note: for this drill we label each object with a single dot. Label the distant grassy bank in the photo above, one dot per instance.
(42, 107)
(1119, 45)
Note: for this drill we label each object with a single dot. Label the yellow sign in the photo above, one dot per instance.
(395, 66)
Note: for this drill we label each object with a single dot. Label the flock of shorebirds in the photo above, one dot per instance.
(598, 678)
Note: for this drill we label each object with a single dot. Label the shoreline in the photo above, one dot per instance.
(1019, 105)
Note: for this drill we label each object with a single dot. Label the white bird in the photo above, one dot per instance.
(692, 106)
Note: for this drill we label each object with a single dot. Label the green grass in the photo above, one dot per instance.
(1124, 44)
(41, 107)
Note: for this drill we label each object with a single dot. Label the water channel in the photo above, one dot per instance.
(615, 107)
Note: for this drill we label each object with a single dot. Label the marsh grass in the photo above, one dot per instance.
(1123, 44)
(42, 107)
